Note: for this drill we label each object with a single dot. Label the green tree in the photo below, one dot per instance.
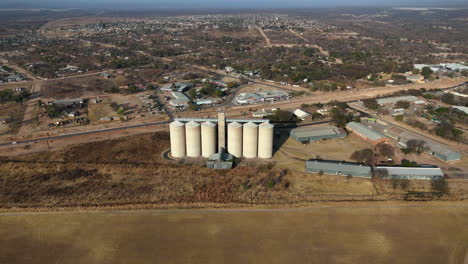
(403, 104)
(371, 104)
(193, 93)
(309, 52)
(426, 72)
(448, 98)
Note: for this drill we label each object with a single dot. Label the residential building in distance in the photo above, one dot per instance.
(411, 173)
(178, 87)
(311, 133)
(367, 133)
(338, 168)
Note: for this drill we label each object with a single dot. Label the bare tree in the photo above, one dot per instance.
(386, 149)
(417, 145)
(365, 156)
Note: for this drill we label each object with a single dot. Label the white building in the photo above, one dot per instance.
(461, 108)
(301, 114)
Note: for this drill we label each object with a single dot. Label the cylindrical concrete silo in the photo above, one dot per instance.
(193, 139)
(208, 139)
(250, 140)
(177, 133)
(265, 141)
(234, 138)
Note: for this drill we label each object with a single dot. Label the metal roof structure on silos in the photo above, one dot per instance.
(214, 120)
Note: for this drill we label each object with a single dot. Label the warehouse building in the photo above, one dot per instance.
(393, 100)
(367, 133)
(416, 173)
(310, 133)
(74, 101)
(259, 97)
(338, 168)
(180, 100)
(435, 149)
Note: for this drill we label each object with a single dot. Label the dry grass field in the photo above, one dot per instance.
(76, 87)
(333, 149)
(131, 171)
(431, 234)
(13, 112)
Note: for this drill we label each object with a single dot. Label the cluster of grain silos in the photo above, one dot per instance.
(194, 139)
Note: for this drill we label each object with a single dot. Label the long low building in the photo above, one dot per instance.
(410, 173)
(367, 133)
(402, 137)
(263, 96)
(311, 133)
(392, 100)
(343, 168)
(338, 168)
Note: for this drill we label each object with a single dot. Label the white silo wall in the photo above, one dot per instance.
(208, 139)
(193, 139)
(234, 138)
(265, 141)
(250, 140)
(177, 133)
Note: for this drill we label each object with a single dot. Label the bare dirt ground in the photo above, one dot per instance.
(326, 234)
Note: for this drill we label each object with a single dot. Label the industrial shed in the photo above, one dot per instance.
(392, 100)
(416, 173)
(302, 115)
(310, 133)
(338, 168)
(435, 149)
(367, 133)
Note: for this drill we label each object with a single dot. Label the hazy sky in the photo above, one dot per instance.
(220, 3)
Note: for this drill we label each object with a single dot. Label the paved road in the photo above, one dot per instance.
(85, 133)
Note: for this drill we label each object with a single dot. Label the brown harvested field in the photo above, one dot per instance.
(431, 234)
